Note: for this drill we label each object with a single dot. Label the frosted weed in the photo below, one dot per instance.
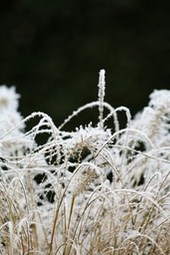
(94, 190)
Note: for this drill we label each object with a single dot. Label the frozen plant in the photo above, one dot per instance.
(99, 189)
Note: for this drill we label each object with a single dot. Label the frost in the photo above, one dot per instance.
(8, 99)
(93, 190)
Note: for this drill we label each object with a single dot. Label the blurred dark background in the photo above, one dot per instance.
(52, 52)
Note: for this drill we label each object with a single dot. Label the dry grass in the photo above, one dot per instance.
(93, 191)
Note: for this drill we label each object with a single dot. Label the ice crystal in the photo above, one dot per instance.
(93, 190)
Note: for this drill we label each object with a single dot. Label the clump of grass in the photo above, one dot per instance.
(94, 190)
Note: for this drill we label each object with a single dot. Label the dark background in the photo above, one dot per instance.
(53, 50)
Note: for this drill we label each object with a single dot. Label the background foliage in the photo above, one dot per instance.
(52, 51)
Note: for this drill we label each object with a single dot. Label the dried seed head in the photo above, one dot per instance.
(101, 94)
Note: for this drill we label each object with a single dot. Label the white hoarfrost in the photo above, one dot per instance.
(95, 190)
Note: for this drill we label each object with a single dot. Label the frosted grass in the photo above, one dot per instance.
(93, 190)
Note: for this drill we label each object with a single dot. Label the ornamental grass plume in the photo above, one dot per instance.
(98, 189)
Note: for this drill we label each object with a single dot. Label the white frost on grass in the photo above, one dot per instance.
(94, 190)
